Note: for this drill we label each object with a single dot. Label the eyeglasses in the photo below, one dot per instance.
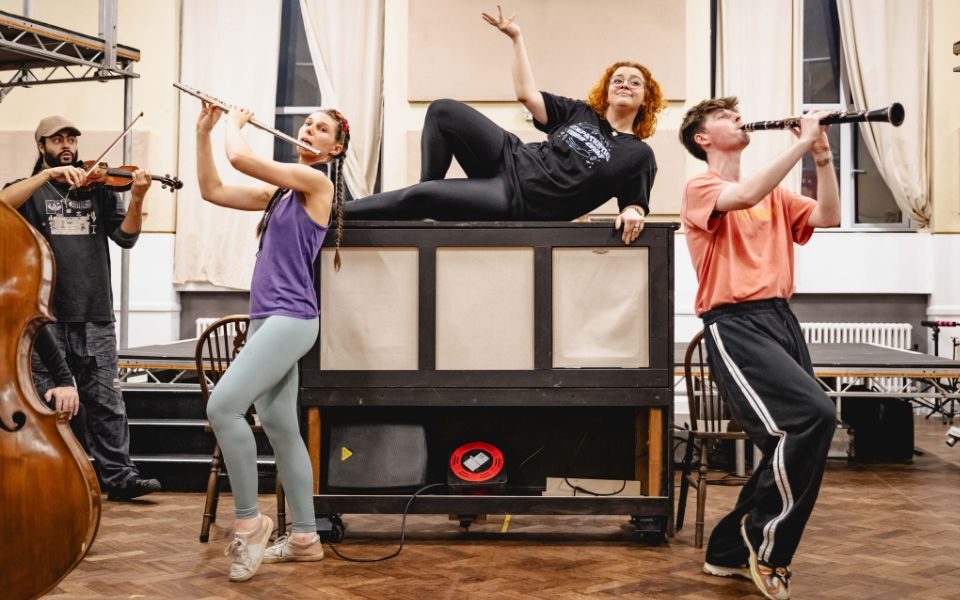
(633, 84)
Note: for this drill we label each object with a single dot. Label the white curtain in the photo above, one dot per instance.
(346, 45)
(759, 45)
(229, 49)
(885, 45)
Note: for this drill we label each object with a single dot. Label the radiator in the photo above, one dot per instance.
(204, 322)
(894, 335)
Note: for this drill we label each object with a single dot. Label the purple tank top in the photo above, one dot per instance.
(283, 275)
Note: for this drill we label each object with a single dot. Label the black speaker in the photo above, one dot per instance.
(377, 457)
(882, 428)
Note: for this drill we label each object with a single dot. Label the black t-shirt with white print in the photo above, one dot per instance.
(582, 164)
(77, 226)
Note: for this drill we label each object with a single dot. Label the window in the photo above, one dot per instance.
(298, 92)
(866, 201)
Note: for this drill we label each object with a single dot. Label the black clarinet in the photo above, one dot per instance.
(892, 114)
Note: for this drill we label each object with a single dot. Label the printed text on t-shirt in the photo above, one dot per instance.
(586, 140)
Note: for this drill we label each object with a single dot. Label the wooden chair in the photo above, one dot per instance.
(710, 420)
(216, 348)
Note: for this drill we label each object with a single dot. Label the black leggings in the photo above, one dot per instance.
(451, 129)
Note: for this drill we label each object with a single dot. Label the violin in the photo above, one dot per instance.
(49, 495)
(120, 179)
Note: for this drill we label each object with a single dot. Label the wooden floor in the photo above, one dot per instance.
(880, 531)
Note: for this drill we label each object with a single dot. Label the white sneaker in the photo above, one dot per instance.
(773, 582)
(742, 571)
(247, 550)
(288, 549)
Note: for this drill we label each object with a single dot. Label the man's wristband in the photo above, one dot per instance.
(823, 159)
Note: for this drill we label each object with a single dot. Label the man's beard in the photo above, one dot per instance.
(57, 160)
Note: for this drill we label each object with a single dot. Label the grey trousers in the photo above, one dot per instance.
(101, 425)
(265, 375)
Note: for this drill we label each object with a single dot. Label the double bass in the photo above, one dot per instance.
(49, 495)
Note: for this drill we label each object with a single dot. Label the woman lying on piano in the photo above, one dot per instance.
(594, 151)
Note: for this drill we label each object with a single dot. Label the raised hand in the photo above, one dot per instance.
(209, 115)
(239, 115)
(141, 182)
(812, 131)
(507, 26)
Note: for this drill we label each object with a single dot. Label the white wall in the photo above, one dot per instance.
(848, 263)
(944, 116)
(945, 293)
(154, 304)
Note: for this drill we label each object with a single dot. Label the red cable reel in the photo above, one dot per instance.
(476, 462)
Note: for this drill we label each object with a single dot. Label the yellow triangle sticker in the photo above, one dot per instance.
(345, 453)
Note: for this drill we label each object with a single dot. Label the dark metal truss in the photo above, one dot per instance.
(34, 53)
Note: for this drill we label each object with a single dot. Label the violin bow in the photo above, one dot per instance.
(122, 135)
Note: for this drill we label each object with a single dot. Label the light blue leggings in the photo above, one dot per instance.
(264, 374)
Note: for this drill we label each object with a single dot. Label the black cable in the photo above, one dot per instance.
(577, 488)
(403, 527)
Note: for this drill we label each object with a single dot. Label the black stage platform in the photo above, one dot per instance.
(829, 360)
(170, 363)
(929, 381)
(872, 371)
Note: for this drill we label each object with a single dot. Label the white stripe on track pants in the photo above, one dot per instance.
(761, 364)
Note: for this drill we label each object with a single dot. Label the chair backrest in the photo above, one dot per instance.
(708, 408)
(216, 348)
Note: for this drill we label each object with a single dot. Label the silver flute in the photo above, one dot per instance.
(226, 108)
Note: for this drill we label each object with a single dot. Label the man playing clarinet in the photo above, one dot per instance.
(741, 231)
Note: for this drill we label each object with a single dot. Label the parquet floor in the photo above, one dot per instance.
(879, 531)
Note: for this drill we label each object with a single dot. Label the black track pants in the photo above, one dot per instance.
(760, 361)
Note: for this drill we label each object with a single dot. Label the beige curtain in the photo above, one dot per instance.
(229, 49)
(759, 60)
(885, 45)
(346, 45)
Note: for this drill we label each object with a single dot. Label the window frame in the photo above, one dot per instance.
(848, 170)
(283, 66)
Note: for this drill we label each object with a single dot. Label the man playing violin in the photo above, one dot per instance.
(77, 224)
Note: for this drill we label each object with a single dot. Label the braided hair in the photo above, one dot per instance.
(336, 172)
(262, 225)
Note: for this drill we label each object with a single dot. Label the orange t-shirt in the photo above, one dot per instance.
(744, 254)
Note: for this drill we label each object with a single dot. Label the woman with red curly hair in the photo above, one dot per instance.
(594, 151)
